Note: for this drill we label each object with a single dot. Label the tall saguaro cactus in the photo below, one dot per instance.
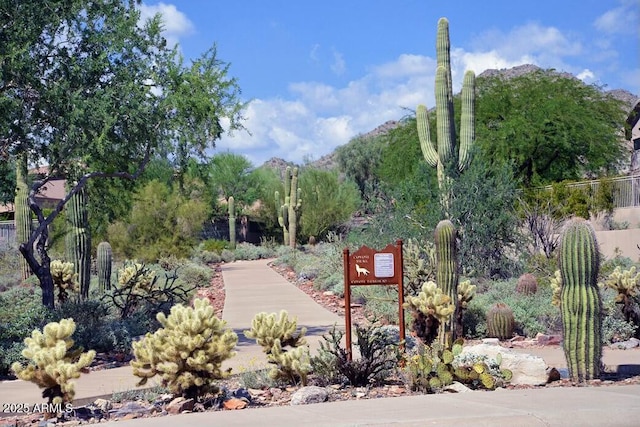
(442, 153)
(22, 211)
(580, 302)
(78, 240)
(289, 209)
(232, 222)
(447, 274)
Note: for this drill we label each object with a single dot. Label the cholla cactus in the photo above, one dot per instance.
(54, 364)
(65, 279)
(419, 262)
(187, 351)
(429, 309)
(136, 276)
(466, 292)
(627, 284)
(273, 332)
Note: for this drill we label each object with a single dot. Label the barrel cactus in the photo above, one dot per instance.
(104, 264)
(500, 321)
(527, 284)
(580, 302)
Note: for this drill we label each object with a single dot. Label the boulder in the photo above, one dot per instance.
(309, 394)
(527, 369)
(179, 405)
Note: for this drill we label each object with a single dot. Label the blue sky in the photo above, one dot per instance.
(318, 73)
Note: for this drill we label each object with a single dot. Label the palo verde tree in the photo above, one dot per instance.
(90, 90)
(550, 126)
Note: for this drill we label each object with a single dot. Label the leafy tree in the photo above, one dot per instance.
(551, 127)
(326, 201)
(483, 207)
(7, 182)
(92, 93)
(162, 222)
(401, 155)
(230, 174)
(359, 160)
(267, 181)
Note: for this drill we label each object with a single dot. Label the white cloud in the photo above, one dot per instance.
(175, 23)
(587, 76)
(620, 20)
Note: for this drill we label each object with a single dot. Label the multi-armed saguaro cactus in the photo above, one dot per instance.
(78, 240)
(442, 154)
(22, 211)
(187, 351)
(232, 223)
(580, 301)
(104, 264)
(53, 363)
(447, 273)
(275, 332)
(289, 209)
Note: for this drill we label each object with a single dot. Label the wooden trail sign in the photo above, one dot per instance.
(367, 266)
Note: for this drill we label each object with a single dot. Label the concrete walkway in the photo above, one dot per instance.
(252, 287)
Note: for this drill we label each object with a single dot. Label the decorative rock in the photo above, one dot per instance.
(543, 339)
(527, 369)
(243, 394)
(626, 345)
(456, 387)
(103, 405)
(88, 412)
(179, 405)
(234, 403)
(130, 410)
(328, 293)
(491, 341)
(310, 394)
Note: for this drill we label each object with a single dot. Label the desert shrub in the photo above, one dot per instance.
(21, 311)
(247, 251)
(378, 356)
(10, 267)
(214, 245)
(202, 256)
(191, 275)
(614, 326)
(227, 256)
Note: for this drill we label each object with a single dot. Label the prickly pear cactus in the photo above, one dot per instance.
(580, 303)
(104, 265)
(187, 352)
(52, 362)
(285, 347)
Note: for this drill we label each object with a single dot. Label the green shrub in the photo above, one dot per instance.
(227, 256)
(214, 245)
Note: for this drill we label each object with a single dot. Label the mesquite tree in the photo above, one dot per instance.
(90, 90)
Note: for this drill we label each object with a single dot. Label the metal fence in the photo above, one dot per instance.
(7, 233)
(626, 190)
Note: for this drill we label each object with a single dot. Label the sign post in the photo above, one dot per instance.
(367, 266)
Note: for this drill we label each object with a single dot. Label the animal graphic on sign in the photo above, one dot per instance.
(361, 270)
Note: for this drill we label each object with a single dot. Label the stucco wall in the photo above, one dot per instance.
(623, 240)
